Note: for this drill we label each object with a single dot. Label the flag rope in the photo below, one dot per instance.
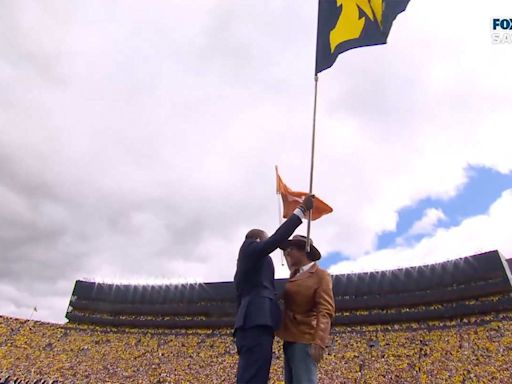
(308, 239)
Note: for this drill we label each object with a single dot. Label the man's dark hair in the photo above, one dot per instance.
(256, 234)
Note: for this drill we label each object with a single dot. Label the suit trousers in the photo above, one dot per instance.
(254, 348)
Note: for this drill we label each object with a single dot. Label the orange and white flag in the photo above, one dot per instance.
(292, 199)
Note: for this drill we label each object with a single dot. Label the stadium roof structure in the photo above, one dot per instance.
(370, 297)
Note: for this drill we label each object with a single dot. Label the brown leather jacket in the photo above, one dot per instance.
(308, 307)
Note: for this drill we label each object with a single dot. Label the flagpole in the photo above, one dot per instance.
(308, 239)
(33, 310)
(279, 213)
(280, 220)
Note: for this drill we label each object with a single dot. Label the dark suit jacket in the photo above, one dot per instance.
(254, 279)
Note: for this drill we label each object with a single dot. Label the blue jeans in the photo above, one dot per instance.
(299, 366)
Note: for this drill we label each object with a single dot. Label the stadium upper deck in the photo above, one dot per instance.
(472, 285)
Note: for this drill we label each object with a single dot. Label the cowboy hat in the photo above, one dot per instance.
(299, 241)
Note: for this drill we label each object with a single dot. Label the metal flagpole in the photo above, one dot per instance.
(308, 240)
(33, 310)
(279, 212)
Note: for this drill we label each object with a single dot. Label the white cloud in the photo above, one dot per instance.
(474, 235)
(426, 225)
(139, 142)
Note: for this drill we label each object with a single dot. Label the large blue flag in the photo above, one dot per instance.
(347, 24)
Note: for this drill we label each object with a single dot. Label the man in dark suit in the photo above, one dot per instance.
(258, 314)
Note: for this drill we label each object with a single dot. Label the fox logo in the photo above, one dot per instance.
(505, 24)
(349, 25)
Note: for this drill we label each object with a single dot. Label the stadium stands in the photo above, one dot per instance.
(473, 349)
(443, 323)
(408, 294)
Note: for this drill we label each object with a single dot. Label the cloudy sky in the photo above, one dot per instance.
(138, 140)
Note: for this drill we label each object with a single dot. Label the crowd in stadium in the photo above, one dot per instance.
(473, 350)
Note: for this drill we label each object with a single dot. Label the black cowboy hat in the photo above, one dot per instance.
(299, 241)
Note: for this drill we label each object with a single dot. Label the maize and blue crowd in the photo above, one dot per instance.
(470, 350)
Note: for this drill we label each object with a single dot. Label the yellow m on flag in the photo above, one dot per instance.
(348, 24)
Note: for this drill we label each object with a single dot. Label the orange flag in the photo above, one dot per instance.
(292, 199)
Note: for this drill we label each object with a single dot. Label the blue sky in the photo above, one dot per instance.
(483, 187)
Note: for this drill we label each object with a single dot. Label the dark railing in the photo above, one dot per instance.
(396, 315)
(228, 309)
(460, 272)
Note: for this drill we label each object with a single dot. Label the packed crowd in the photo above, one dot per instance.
(420, 308)
(7, 379)
(139, 317)
(470, 350)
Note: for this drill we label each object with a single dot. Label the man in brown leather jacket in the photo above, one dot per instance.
(308, 311)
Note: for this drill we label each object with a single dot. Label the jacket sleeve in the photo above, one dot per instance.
(324, 306)
(263, 248)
